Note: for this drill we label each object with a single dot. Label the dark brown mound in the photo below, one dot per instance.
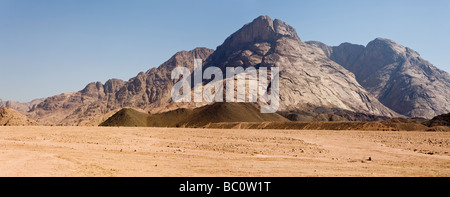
(198, 117)
(404, 124)
(11, 117)
(248, 116)
(127, 117)
(441, 120)
(174, 118)
(231, 112)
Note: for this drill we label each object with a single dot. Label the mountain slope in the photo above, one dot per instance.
(396, 75)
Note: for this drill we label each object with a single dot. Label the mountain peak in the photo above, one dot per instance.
(261, 29)
(283, 29)
(384, 42)
(386, 45)
(276, 26)
(262, 18)
(259, 36)
(380, 39)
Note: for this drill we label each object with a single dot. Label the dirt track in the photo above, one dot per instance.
(106, 151)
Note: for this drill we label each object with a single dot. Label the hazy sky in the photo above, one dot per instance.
(48, 47)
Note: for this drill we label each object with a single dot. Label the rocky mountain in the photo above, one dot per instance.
(11, 117)
(349, 79)
(396, 75)
(146, 91)
(308, 78)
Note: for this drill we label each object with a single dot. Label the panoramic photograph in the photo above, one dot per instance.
(251, 88)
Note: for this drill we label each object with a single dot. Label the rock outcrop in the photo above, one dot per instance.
(11, 117)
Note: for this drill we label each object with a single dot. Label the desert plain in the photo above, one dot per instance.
(195, 152)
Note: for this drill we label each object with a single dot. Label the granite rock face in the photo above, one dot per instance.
(396, 75)
(307, 76)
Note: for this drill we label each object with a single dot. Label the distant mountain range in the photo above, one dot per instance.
(382, 79)
(22, 107)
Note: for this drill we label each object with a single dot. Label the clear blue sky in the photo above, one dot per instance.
(49, 47)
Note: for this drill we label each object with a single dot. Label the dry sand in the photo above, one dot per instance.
(112, 151)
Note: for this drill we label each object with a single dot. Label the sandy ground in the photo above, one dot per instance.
(103, 151)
